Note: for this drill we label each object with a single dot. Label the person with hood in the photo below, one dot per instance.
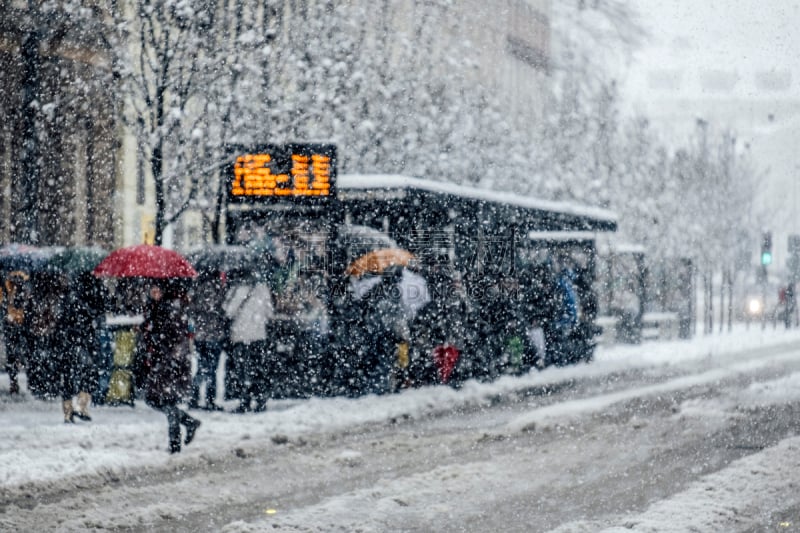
(168, 371)
(567, 318)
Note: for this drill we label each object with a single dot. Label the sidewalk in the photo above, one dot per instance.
(38, 448)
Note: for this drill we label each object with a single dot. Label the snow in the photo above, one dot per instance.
(38, 449)
(720, 501)
(392, 181)
(675, 78)
(561, 412)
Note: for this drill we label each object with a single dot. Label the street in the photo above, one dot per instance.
(707, 442)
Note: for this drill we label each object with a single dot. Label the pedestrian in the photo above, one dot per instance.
(210, 336)
(437, 330)
(82, 312)
(248, 306)
(492, 314)
(539, 311)
(17, 310)
(791, 305)
(165, 334)
(566, 319)
(42, 367)
(385, 327)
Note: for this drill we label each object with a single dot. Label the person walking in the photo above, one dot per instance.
(165, 333)
(211, 333)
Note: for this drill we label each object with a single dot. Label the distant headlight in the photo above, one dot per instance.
(754, 306)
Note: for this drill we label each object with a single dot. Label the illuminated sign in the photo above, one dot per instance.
(276, 172)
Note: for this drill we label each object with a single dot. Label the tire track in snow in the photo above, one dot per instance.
(563, 412)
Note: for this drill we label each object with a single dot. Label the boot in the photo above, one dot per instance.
(244, 404)
(83, 404)
(191, 429)
(13, 388)
(174, 441)
(66, 406)
(261, 404)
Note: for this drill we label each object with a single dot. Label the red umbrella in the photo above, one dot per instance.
(145, 261)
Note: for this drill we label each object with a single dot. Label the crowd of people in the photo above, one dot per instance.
(54, 327)
(51, 324)
(470, 329)
(277, 344)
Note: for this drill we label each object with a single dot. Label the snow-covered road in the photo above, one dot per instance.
(658, 437)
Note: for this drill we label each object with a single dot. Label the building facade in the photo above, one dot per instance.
(58, 140)
(513, 43)
(89, 184)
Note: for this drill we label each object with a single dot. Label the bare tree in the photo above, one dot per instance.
(176, 62)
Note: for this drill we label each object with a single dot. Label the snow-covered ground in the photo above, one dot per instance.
(38, 451)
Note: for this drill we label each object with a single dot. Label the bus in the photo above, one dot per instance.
(463, 242)
(480, 235)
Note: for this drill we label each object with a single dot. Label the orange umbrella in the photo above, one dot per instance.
(377, 261)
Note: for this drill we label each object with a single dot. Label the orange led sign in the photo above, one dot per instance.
(282, 171)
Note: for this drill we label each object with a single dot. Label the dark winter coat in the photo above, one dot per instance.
(44, 359)
(167, 366)
(384, 325)
(208, 311)
(437, 334)
(83, 312)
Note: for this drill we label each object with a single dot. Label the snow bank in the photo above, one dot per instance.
(37, 449)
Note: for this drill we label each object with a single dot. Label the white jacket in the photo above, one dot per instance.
(249, 308)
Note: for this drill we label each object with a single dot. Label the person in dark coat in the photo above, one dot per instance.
(493, 315)
(211, 333)
(540, 312)
(17, 305)
(165, 334)
(82, 312)
(791, 305)
(384, 326)
(42, 366)
(347, 353)
(438, 328)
